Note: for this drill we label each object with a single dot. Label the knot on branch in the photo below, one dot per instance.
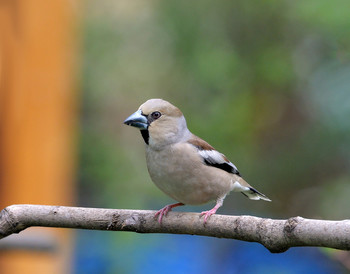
(133, 222)
(9, 223)
(290, 226)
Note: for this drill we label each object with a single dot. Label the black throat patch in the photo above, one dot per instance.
(145, 135)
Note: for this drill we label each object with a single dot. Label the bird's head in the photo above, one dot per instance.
(160, 122)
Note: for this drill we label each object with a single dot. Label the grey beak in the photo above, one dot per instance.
(137, 120)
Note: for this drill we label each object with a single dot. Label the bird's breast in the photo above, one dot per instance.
(179, 172)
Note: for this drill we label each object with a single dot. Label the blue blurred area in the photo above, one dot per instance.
(158, 253)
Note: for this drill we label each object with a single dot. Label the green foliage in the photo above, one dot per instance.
(265, 82)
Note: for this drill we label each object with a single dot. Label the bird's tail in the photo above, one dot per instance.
(254, 194)
(240, 185)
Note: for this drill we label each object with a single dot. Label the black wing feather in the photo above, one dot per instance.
(223, 166)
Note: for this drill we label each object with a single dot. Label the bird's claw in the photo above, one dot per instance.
(207, 214)
(162, 212)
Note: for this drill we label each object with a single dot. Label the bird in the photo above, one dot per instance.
(182, 165)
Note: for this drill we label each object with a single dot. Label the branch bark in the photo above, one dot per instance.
(276, 235)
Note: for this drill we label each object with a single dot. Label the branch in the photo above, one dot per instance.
(275, 235)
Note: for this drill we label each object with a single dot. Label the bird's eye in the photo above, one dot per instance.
(155, 115)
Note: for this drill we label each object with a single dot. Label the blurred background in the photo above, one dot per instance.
(267, 83)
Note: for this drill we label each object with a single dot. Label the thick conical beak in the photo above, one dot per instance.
(137, 120)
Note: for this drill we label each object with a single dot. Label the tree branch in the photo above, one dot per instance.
(275, 235)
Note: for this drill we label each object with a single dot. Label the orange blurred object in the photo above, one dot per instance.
(37, 123)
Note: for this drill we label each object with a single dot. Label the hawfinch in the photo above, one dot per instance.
(181, 164)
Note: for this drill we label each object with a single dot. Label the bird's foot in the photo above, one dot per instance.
(164, 211)
(212, 211)
(208, 213)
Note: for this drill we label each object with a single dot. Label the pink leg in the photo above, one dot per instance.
(208, 213)
(164, 211)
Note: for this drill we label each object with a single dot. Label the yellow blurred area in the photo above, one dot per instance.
(37, 122)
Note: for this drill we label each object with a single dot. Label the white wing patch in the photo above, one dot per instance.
(212, 156)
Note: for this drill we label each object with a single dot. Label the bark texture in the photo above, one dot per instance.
(275, 235)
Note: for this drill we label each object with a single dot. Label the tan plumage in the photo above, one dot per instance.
(182, 165)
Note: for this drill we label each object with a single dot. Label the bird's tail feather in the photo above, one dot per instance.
(254, 194)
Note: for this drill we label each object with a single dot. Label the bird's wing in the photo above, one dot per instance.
(212, 157)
